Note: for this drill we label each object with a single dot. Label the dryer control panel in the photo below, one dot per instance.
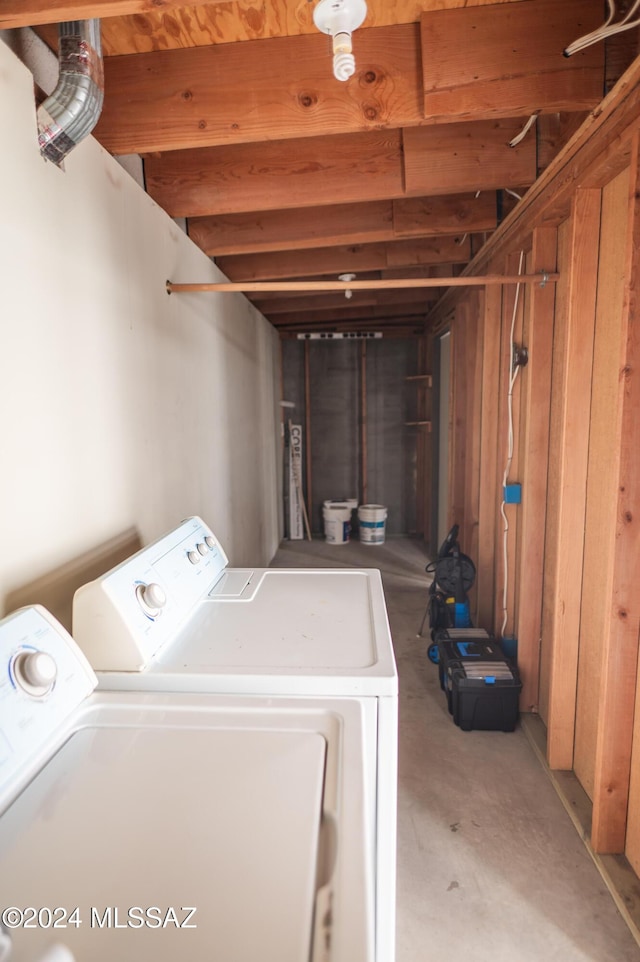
(124, 618)
(43, 678)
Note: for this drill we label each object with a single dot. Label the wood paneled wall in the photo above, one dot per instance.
(572, 552)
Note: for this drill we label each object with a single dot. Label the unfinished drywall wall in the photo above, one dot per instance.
(123, 408)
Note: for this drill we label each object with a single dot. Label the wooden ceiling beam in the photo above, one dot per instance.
(313, 320)
(386, 220)
(485, 62)
(338, 260)
(280, 174)
(341, 169)
(31, 13)
(467, 156)
(259, 90)
(362, 300)
(282, 88)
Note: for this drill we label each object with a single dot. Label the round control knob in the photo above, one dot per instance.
(35, 672)
(210, 543)
(151, 598)
(193, 557)
(202, 548)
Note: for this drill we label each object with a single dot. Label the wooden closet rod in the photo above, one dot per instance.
(247, 287)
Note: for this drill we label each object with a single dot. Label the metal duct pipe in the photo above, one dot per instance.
(72, 111)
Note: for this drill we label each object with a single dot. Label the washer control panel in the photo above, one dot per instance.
(124, 618)
(43, 678)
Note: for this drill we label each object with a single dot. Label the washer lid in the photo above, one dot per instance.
(128, 823)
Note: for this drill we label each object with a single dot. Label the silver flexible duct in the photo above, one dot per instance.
(72, 111)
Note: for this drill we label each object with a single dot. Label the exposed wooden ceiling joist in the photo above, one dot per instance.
(261, 90)
(352, 315)
(471, 155)
(386, 220)
(339, 260)
(361, 300)
(478, 65)
(346, 168)
(314, 171)
(284, 172)
(283, 88)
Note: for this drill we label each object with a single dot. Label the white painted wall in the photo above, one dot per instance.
(120, 406)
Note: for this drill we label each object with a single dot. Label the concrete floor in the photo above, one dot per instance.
(490, 867)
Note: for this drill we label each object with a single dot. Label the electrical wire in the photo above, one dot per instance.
(513, 377)
(525, 130)
(608, 28)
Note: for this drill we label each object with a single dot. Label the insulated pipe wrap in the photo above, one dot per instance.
(73, 109)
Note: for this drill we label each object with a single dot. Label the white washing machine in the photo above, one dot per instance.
(148, 827)
(176, 618)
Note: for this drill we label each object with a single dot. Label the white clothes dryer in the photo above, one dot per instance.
(175, 618)
(150, 827)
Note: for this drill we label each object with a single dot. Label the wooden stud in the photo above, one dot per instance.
(573, 440)
(600, 516)
(509, 305)
(473, 377)
(620, 644)
(457, 410)
(536, 386)
(488, 494)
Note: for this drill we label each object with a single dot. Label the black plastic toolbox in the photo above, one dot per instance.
(482, 686)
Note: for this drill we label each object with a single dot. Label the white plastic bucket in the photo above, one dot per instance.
(337, 521)
(371, 518)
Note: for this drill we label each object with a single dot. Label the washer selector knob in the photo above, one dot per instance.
(202, 548)
(193, 557)
(210, 543)
(152, 598)
(35, 672)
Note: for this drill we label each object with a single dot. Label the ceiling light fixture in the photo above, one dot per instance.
(339, 18)
(346, 278)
